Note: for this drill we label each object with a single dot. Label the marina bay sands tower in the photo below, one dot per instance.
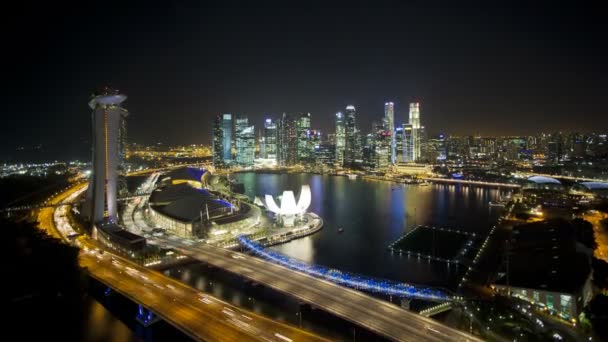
(107, 119)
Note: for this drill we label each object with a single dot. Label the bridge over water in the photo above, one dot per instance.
(379, 316)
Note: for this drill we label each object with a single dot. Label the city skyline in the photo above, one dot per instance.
(511, 70)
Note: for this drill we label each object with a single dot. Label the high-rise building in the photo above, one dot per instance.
(270, 139)
(218, 142)
(325, 154)
(436, 149)
(314, 140)
(369, 151)
(555, 148)
(350, 136)
(389, 116)
(303, 128)
(245, 142)
(106, 117)
(408, 143)
(288, 141)
(399, 139)
(414, 134)
(227, 144)
(340, 139)
(382, 147)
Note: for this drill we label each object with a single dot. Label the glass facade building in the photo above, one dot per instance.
(270, 140)
(218, 142)
(350, 136)
(227, 136)
(340, 139)
(245, 142)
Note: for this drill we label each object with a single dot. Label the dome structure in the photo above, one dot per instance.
(543, 180)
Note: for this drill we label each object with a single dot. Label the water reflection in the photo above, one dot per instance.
(374, 214)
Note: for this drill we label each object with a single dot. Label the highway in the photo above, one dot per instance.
(198, 315)
(376, 315)
(195, 313)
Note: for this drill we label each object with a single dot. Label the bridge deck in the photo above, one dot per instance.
(376, 315)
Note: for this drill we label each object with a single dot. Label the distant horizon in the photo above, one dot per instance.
(488, 69)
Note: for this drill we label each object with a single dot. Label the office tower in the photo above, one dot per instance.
(314, 140)
(369, 151)
(555, 148)
(340, 139)
(288, 141)
(389, 116)
(414, 133)
(325, 154)
(245, 142)
(227, 144)
(218, 142)
(270, 139)
(436, 149)
(350, 136)
(303, 128)
(382, 149)
(408, 143)
(106, 119)
(399, 145)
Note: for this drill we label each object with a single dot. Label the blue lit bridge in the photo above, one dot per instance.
(359, 282)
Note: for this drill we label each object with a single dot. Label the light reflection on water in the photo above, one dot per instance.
(373, 214)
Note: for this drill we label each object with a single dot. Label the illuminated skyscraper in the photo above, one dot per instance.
(245, 142)
(303, 127)
(106, 118)
(218, 142)
(415, 134)
(399, 145)
(227, 144)
(350, 136)
(389, 116)
(270, 139)
(288, 141)
(340, 139)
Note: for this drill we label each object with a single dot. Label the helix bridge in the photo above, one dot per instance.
(358, 282)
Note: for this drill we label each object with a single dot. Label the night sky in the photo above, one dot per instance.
(476, 68)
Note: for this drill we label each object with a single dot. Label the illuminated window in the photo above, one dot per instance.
(536, 296)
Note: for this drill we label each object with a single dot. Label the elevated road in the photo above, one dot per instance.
(200, 316)
(196, 314)
(376, 315)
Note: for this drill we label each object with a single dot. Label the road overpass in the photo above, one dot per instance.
(381, 317)
(196, 314)
(199, 316)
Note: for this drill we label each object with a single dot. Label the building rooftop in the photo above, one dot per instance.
(543, 180)
(117, 231)
(543, 256)
(595, 185)
(185, 203)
